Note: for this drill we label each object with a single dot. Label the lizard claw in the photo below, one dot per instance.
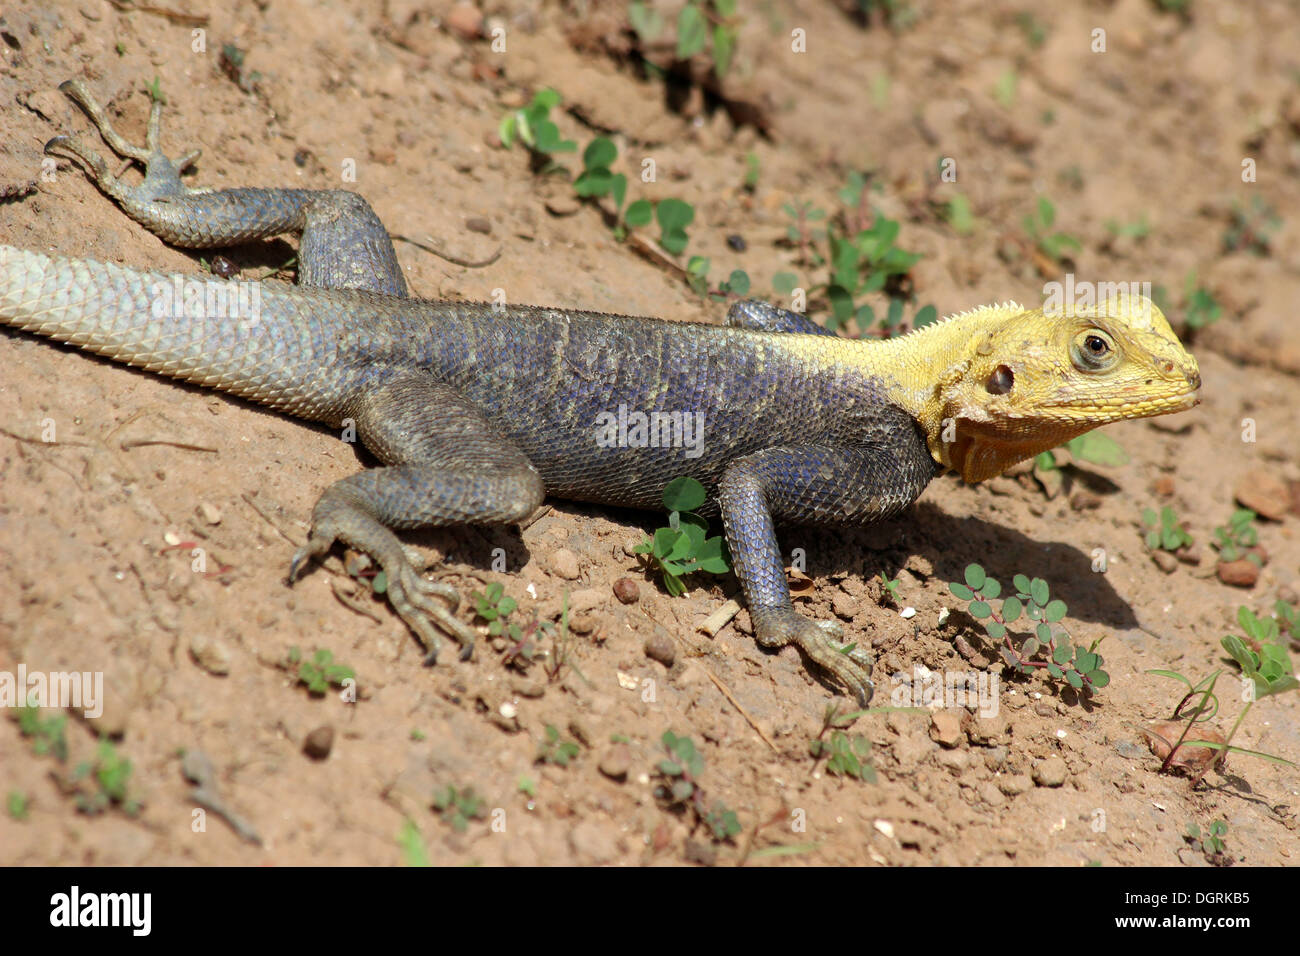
(411, 595)
(776, 627)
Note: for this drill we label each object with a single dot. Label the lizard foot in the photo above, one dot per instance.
(411, 595)
(776, 627)
(162, 175)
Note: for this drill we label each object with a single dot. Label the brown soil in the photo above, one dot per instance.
(1154, 129)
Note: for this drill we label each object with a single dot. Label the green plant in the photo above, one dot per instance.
(1139, 229)
(673, 216)
(1038, 226)
(555, 749)
(409, 841)
(1211, 841)
(1033, 29)
(1202, 308)
(111, 776)
(459, 807)
(320, 672)
(891, 588)
(845, 756)
(681, 771)
(1063, 660)
(864, 263)
(1166, 532)
(534, 126)
(1093, 447)
(682, 548)
(47, 734)
(494, 606)
(1288, 619)
(1264, 662)
(702, 21)
(1004, 91)
(1234, 539)
(1250, 228)
(959, 214)
(17, 804)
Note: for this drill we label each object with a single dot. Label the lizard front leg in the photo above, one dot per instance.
(811, 484)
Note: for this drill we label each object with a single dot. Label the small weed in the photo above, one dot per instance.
(1210, 842)
(1033, 29)
(1202, 308)
(750, 183)
(320, 672)
(845, 756)
(18, 805)
(1250, 228)
(409, 841)
(1265, 665)
(959, 214)
(1038, 227)
(1166, 532)
(48, 734)
(682, 548)
(1235, 539)
(556, 750)
(712, 24)
(534, 127)
(110, 775)
(1004, 91)
(891, 588)
(459, 807)
(1138, 229)
(1063, 660)
(1093, 447)
(681, 772)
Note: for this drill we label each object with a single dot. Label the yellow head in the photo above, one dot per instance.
(1024, 381)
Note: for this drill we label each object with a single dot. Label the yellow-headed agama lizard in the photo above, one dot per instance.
(476, 413)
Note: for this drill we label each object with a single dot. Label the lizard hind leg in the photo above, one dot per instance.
(444, 463)
(162, 175)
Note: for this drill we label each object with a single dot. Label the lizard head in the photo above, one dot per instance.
(1029, 380)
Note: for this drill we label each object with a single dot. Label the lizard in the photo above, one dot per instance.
(476, 412)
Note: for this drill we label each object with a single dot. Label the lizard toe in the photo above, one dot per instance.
(776, 627)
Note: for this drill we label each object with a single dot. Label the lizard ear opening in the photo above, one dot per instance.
(1001, 381)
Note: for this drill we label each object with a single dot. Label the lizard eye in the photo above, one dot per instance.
(1092, 351)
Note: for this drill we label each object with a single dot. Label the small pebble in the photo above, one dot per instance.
(660, 647)
(616, 762)
(210, 653)
(565, 563)
(1050, 772)
(319, 743)
(1242, 573)
(945, 728)
(626, 590)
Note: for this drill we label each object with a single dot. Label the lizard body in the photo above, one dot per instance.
(477, 412)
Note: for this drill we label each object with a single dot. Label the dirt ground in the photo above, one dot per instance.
(97, 529)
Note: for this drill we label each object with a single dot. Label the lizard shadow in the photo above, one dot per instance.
(950, 543)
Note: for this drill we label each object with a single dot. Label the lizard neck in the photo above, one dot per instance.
(922, 370)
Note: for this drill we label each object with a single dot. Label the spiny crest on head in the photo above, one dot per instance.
(1009, 307)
